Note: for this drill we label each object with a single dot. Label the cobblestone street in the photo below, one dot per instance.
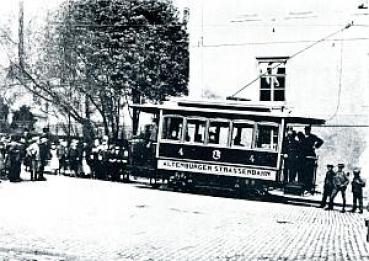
(77, 219)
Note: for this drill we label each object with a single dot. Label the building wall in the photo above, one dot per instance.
(227, 36)
(328, 80)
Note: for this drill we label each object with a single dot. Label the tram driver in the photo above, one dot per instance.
(291, 156)
(308, 146)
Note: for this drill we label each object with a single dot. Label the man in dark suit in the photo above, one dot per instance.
(43, 156)
(328, 185)
(310, 143)
(15, 157)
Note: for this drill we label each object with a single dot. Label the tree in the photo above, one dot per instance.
(99, 54)
(4, 112)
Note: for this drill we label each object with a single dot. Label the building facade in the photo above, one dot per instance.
(310, 56)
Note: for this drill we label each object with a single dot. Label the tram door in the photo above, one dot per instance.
(142, 150)
(298, 167)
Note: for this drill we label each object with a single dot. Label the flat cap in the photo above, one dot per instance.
(356, 170)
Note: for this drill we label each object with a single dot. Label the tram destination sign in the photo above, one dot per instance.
(217, 169)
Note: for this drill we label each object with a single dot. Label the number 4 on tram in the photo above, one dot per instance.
(230, 145)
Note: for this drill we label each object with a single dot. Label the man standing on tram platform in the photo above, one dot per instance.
(340, 183)
(311, 142)
(290, 148)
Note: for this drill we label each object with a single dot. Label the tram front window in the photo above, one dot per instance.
(172, 129)
(195, 131)
(242, 135)
(267, 137)
(218, 133)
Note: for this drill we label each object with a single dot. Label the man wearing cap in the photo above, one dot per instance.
(340, 183)
(111, 163)
(61, 156)
(103, 157)
(42, 157)
(310, 143)
(32, 151)
(74, 159)
(290, 150)
(357, 191)
(328, 185)
(15, 157)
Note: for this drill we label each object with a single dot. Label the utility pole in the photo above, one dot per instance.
(21, 35)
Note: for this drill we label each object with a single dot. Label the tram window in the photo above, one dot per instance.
(267, 137)
(195, 131)
(172, 129)
(218, 133)
(242, 134)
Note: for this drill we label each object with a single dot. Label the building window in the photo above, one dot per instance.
(272, 79)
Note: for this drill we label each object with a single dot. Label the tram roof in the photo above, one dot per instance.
(227, 108)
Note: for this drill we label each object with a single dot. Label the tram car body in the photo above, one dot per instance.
(229, 145)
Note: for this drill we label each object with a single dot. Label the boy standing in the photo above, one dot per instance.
(357, 190)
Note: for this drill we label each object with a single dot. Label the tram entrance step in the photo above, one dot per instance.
(294, 188)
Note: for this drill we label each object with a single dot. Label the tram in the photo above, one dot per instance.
(228, 144)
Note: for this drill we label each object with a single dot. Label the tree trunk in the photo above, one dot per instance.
(135, 112)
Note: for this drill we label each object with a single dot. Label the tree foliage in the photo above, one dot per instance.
(4, 112)
(23, 118)
(98, 54)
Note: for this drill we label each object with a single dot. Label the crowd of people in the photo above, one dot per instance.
(60, 156)
(299, 156)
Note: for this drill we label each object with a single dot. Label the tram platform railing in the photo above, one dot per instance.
(299, 175)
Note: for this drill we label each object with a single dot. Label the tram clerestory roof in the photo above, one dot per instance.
(231, 109)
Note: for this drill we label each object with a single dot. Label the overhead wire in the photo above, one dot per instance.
(278, 42)
(291, 57)
(339, 85)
